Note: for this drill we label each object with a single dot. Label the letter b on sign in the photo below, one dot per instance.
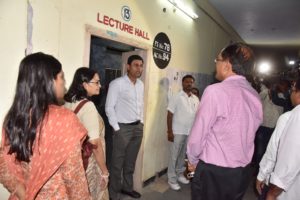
(126, 13)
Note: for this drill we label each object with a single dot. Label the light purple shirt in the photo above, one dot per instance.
(224, 128)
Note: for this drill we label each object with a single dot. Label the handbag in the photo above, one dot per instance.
(87, 147)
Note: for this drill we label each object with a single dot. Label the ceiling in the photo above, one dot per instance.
(263, 22)
(271, 27)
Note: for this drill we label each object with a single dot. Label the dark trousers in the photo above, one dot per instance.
(212, 182)
(262, 139)
(126, 145)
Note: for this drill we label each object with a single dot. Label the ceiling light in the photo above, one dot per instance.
(264, 67)
(188, 11)
(291, 62)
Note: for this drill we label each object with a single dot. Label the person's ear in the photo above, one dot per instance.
(127, 67)
(85, 85)
(227, 67)
(298, 95)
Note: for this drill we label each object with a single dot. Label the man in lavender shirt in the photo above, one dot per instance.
(221, 143)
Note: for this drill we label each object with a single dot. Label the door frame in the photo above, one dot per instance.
(102, 33)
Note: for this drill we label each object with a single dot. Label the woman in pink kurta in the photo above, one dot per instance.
(40, 155)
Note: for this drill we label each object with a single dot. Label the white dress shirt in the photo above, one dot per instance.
(183, 108)
(286, 174)
(124, 102)
(267, 163)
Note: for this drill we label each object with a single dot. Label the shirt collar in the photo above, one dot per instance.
(128, 79)
(235, 77)
(184, 94)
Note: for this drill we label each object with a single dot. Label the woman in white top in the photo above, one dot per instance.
(86, 83)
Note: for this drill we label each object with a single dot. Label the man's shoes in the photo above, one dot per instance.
(183, 180)
(174, 186)
(132, 193)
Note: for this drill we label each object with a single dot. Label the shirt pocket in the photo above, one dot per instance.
(127, 94)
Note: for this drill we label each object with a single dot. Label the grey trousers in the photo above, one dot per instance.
(176, 165)
(126, 145)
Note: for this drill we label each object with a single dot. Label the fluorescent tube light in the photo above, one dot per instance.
(178, 4)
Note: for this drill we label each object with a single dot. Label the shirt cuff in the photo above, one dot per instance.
(193, 161)
(116, 127)
(261, 176)
(276, 181)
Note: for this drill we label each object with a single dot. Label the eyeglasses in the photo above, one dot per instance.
(218, 60)
(95, 82)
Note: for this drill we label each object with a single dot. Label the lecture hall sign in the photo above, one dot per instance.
(161, 50)
(123, 26)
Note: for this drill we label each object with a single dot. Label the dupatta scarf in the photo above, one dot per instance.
(60, 134)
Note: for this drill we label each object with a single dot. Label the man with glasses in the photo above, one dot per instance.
(221, 142)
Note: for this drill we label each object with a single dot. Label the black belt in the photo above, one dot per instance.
(132, 123)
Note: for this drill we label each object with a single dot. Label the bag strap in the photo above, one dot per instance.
(80, 105)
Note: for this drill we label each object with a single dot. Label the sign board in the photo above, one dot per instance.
(161, 50)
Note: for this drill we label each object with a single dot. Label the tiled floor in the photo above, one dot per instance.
(159, 190)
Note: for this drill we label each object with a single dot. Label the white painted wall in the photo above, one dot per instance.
(13, 14)
(59, 29)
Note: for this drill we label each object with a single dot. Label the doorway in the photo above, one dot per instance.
(109, 57)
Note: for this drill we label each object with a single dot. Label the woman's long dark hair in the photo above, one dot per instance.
(34, 93)
(76, 91)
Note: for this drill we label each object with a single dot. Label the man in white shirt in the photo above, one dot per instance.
(268, 161)
(280, 164)
(181, 113)
(124, 109)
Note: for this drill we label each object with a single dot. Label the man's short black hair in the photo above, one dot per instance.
(134, 57)
(188, 76)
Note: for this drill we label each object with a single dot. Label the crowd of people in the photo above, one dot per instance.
(233, 134)
(55, 151)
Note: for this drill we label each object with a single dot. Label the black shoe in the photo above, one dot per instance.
(133, 194)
